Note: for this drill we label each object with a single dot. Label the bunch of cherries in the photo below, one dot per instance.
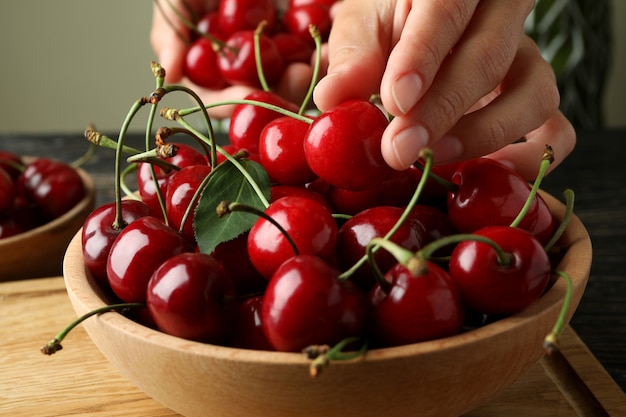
(221, 46)
(35, 193)
(304, 236)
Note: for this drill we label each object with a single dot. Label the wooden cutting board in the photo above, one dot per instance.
(80, 381)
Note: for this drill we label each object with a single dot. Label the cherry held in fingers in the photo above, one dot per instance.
(342, 146)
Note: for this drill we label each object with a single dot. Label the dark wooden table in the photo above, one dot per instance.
(595, 171)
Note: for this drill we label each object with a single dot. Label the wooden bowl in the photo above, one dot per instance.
(445, 377)
(39, 252)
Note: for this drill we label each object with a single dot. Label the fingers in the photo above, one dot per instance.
(169, 35)
(525, 157)
(477, 63)
(357, 52)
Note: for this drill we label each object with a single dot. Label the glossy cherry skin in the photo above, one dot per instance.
(248, 120)
(491, 194)
(249, 330)
(191, 296)
(424, 225)
(137, 252)
(201, 65)
(416, 308)
(98, 234)
(54, 186)
(180, 191)
(186, 155)
(7, 191)
(489, 288)
(310, 225)
(281, 149)
(279, 190)
(292, 48)
(238, 15)
(237, 62)
(342, 146)
(305, 304)
(298, 19)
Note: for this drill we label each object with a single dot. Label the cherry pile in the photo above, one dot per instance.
(297, 234)
(35, 193)
(221, 49)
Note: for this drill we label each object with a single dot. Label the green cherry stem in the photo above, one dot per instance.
(55, 345)
(427, 155)
(403, 256)
(546, 159)
(257, 55)
(104, 141)
(550, 342)
(226, 207)
(317, 38)
(504, 258)
(569, 196)
(278, 109)
(127, 191)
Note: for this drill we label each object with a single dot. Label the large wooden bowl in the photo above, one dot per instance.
(445, 377)
(39, 252)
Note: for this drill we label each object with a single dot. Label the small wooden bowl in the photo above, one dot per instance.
(445, 377)
(39, 252)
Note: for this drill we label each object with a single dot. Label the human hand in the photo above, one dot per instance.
(459, 76)
(170, 36)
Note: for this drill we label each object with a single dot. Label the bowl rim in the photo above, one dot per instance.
(90, 297)
(84, 203)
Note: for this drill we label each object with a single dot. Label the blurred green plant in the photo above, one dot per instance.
(575, 37)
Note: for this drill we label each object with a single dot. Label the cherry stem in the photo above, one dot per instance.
(257, 55)
(426, 252)
(546, 159)
(317, 38)
(323, 355)
(449, 186)
(172, 114)
(427, 155)
(104, 141)
(226, 207)
(164, 133)
(278, 109)
(550, 343)
(55, 344)
(569, 196)
(80, 161)
(405, 257)
(169, 22)
(127, 191)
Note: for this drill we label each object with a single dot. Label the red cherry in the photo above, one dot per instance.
(10, 162)
(9, 227)
(98, 234)
(233, 255)
(249, 330)
(238, 15)
(186, 155)
(306, 304)
(54, 186)
(209, 24)
(298, 19)
(8, 191)
(248, 120)
(307, 222)
(137, 252)
(342, 146)
(491, 288)
(180, 190)
(491, 194)
(280, 191)
(190, 296)
(416, 308)
(281, 149)
(201, 65)
(237, 61)
(292, 48)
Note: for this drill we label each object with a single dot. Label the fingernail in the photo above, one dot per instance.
(408, 143)
(447, 148)
(406, 91)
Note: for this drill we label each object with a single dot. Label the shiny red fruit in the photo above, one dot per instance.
(201, 65)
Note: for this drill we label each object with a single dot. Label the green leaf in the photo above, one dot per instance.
(227, 182)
